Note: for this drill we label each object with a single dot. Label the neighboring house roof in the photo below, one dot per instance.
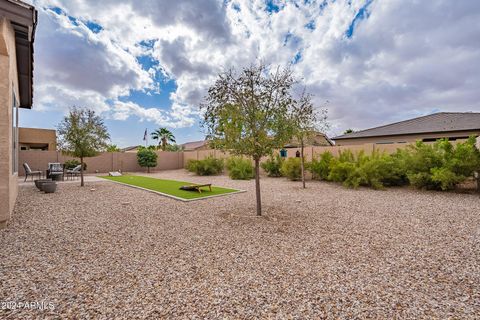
(23, 18)
(193, 145)
(318, 139)
(131, 148)
(437, 122)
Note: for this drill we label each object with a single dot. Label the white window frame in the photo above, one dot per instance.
(14, 134)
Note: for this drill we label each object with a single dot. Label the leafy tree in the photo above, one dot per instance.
(164, 136)
(113, 148)
(348, 131)
(147, 157)
(82, 134)
(246, 113)
(306, 121)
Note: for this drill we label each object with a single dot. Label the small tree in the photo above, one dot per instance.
(306, 122)
(82, 134)
(247, 114)
(164, 136)
(147, 157)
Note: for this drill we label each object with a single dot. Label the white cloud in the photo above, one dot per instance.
(407, 58)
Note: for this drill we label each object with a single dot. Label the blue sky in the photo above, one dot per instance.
(373, 61)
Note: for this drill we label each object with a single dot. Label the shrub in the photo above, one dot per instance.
(291, 168)
(341, 171)
(147, 158)
(320, 167)
(441, 165)
(273, 166)
(70, 164)
(240, 168)
(206, 167)
(375, 170)
(342, 167)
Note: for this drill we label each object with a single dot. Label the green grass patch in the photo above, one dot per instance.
(169, 187)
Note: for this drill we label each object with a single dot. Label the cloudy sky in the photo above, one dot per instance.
(147, 64)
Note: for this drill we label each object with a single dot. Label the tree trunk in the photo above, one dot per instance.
(302, 163)
(164, 144)
(257, 187)
(81, 173)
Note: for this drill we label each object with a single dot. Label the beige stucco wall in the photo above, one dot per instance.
(8, 85)
(105, 162)
(34, 136)
(404, 138)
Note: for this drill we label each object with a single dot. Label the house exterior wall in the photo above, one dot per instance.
(404, 138)
(8, 89)
(33, 137)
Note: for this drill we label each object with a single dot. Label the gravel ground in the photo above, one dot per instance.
(323, 252)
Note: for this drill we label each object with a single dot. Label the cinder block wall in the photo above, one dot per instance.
(105, 162)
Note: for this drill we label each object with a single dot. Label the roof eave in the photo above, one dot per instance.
(344, 137)
(23, 18)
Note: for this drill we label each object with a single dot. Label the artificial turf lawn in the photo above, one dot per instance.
(170, 187)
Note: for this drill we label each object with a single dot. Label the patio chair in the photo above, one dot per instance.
(55, 171)
(29, 172)
(74, 172)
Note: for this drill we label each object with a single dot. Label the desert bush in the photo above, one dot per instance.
(342, 167)
(240, 168)
(441, 166)
(376, 170)
(438, 166)
(291, 168)
(320, 167)
(206, 167)
(273, 166)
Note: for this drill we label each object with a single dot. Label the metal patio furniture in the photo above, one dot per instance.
(75, 172)
(29, 172)
(56, 171)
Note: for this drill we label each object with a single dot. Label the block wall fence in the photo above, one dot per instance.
(105, 162)
(127, 161)
(309, 152)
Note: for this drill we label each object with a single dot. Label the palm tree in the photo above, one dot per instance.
(164, 136)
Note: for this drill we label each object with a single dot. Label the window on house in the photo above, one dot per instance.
(14, 134)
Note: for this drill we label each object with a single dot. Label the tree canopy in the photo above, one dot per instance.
(247, 113)
(306, 121)
(164, 137)
(147, 158)
(82, 134)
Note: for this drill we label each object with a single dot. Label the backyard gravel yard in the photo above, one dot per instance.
(111, 251)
